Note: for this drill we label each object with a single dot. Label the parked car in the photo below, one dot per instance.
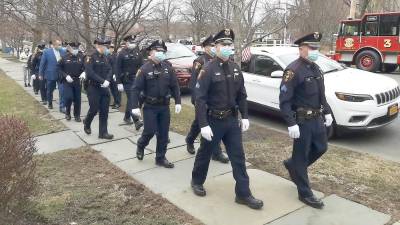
(181, 59)
(359, 100)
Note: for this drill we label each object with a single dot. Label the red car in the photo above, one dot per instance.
(181, 59)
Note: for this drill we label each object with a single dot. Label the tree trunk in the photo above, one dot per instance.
(86, 19)
(38, 29)
(237, 29)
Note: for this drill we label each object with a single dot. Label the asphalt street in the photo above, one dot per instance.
(383, 142)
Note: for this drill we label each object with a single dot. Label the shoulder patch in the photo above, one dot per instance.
(87, 59)
(200, 74)
(197, 65)
(138, 72)
(288, 75)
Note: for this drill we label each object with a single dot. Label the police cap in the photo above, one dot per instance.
(225, 36)
(209, 41)
(157, 45)
(312, 40)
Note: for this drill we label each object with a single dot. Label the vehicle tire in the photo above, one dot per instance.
(331, 131)
(389, 68)
(368, 60)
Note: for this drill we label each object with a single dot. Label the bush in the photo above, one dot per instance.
(17, 167)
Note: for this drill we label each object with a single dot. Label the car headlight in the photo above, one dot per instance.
(353, 97)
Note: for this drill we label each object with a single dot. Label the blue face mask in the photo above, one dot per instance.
(226, 51)
(213, 51)
(160, 56)
(313, 55)
(106, 51)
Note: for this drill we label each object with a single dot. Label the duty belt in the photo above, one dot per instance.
(156, 101)
(221, 114)
(307, 113)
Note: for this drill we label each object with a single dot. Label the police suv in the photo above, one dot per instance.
(359, 100)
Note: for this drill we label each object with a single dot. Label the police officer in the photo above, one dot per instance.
(220, 95)
(71, 68)
(98, 75)
(39, 83)
(304, 107)
(209, 54)
(158, 81)
(113, 86)
(129, 60)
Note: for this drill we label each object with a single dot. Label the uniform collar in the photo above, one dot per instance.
(208, 56)
(221, 61)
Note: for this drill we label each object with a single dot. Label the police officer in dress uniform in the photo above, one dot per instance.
(129, 60)
(220, 95)
(35, 62)
(39, 84)
(159, 83)
(303, 104)
(113, 86)
(209, 54)
(98, 75)
(71, 67)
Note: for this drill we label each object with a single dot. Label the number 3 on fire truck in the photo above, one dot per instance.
(387, 43)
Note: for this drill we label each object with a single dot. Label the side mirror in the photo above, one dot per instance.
(277, 74)
(335, 35)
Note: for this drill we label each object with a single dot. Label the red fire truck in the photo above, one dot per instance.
(371, 43)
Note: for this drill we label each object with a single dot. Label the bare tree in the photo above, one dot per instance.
(165, 13)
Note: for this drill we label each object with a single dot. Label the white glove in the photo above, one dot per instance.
(114, 78)
(69, 79)
(136, 112)
(120, 87)
(328, 120)
(178, 108)
(207, 133)
(33, 77)
(82, 76)
(105, 84)
(294, 131)
(245, 125)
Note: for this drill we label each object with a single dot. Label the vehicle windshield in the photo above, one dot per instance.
(178, 51)
(326, 64)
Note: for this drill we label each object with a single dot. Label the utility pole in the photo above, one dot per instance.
(353, 8)
(285, 28)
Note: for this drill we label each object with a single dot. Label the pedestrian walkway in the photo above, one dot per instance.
(281, 206)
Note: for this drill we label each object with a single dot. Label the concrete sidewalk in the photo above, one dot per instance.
(218, 207)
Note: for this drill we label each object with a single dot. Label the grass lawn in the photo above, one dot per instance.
(15, 101)
(81, 186)
(359, 177)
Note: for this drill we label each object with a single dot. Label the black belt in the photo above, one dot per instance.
(308, 113)
(156, 101)
(221, 114)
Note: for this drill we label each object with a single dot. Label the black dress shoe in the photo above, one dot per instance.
(29, 84)
(287, 165)
(138, 125)
(44, 103)
(50, 106)
(164, 163)
(86, 128)
(140, 153)
(312, 201)
(190, 148)
(106, 136)
(36, 93)
(128, 121)
(250, 202)
(68, 117)
(220, 158)
(198, 189)
(78, 119)
(25, 85)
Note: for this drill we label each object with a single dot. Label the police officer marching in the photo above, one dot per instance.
(128, 62)
(38, 84)
(209, 54)
(158, 82)
(113, 86)
(220, 95)
(307, 113)
(71, 67)
(98, 75)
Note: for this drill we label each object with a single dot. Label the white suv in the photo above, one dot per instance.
(359, 100)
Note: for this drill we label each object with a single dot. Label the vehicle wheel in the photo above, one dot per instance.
(331, 131)
(368, 60)
(389, 68)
